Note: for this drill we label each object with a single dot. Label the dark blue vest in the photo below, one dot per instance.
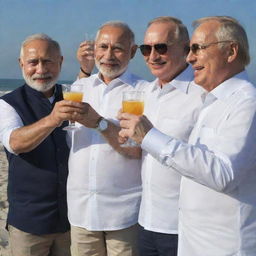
(37, 179)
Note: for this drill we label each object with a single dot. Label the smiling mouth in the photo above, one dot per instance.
(157, 64)
(108, 64)
(42, 78)
(198, 68)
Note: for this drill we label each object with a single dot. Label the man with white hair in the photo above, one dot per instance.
(31, 121)
(104, 186)
(217, 198)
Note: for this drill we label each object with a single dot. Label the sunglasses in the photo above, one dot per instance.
(159, 48)
(194, 48)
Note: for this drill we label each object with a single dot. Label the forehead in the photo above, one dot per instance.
(39, 48)
(206, 32)
(113, 35)
(160, 32)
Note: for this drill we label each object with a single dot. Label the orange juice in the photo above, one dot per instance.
(133, 107)
(74, 96)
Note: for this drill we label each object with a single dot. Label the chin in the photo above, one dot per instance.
(41, 87)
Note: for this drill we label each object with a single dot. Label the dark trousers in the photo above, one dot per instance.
(157, 244)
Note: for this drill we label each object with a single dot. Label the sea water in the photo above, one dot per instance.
(7, 85)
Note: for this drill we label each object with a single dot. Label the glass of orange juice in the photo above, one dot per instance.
(72, 92)
(133, 103)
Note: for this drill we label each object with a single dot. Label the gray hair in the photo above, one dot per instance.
(118, 24)
(181, 32)
(43, 37)
(230, 30)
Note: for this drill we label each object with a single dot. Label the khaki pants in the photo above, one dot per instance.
(26, 244)
(104, 243)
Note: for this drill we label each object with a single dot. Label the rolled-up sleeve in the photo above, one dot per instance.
(9, 121)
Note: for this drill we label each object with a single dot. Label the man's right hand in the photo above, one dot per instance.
(85, 56)
(62, 111)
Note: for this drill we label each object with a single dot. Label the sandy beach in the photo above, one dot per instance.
(3, 203)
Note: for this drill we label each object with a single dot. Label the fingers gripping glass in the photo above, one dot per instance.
(73, 92)
(133, 103)
(194, 48)
(159, 48)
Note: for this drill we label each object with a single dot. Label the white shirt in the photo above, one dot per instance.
(218, 190)
(173, 110)
(11, 122)
(104, 187)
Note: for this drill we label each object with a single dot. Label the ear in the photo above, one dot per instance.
(133, 50)
(233, 52)
(21, 63)
(61, 60)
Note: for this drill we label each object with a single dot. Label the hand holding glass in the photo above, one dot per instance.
(133, 103)
(73, 92)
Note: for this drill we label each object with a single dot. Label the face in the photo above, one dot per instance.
(209, 64)
(41, 65)
(164, 66)
(113, 52)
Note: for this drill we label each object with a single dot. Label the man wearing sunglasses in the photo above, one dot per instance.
(172, 103)
(217, 199)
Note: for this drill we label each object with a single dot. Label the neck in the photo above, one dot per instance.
(163, 82)
(229, 74)
(106, 80)
(49, 93)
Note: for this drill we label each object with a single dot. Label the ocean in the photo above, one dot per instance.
(7, 85)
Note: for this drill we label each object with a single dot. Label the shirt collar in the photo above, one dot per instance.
(228, 87)
(181, 82)
(125, 78)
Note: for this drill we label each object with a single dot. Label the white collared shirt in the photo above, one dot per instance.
(218, 188)
(104, 187)
(173, 110)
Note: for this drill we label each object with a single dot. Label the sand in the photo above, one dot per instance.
(3, 203)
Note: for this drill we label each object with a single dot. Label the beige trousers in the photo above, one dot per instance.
(104, 243)
(26, 244)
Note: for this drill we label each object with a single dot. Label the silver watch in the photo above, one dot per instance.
(102, 125)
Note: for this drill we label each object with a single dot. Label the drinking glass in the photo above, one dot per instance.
(89, 38)
(133, 103)
(73, 92)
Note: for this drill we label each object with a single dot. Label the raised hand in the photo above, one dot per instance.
(85, 56)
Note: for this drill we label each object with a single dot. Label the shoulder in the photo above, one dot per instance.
(137, 82)
(13, 94)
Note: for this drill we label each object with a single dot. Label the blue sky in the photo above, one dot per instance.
(67, 21)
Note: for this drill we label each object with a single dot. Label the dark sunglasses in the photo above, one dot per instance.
(194, 48)
(159, 48)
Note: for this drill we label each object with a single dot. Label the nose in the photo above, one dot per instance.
(109, 53)
(41, 68)
(191, 57)
(154, 54)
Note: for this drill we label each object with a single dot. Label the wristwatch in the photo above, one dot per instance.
(102, 124)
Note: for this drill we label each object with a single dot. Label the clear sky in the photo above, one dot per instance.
(67, 21)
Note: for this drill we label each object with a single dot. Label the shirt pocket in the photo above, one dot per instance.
(178, 129)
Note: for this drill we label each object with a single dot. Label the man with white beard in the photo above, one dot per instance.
(31, 121)
(104, 187)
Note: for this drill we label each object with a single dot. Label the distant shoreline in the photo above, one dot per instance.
(7, 85)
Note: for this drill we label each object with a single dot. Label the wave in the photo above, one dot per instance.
(4, 92)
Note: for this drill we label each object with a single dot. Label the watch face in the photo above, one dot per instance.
(103, 125)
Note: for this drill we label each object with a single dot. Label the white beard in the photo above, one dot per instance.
(39, 86)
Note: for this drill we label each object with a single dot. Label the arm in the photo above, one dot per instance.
(26, 138)
(218, 160)
(89, 118)
(85, 56)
